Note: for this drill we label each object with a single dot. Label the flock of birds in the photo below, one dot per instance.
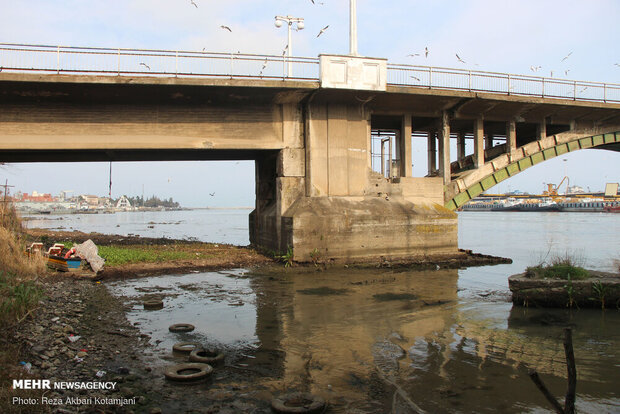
(426, 51)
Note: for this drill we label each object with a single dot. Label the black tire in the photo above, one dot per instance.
(190, 372)
(185, 347)
(181, 327)
(206, 356)
(298, 403)
(153, 304)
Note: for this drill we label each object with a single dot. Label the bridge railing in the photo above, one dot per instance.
(509, 84)
(152, 62)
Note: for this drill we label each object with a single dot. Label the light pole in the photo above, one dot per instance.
(353, 27)
(299, 21)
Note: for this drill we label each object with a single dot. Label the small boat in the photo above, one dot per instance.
(613, 208)
(57, 258)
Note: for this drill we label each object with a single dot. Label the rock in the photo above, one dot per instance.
(81, 354)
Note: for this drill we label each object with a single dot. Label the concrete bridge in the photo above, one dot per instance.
(332, 144)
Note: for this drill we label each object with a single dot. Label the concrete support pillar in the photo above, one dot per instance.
(406, 169)
(488, 141)
(541, 130)
(478, 143)
(432, 152)
(444, 148)
(511, 136)
(460, 146)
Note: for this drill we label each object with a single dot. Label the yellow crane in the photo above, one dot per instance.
(552, 189)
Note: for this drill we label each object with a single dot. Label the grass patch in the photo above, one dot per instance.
(561, 267)
(17, 297)
(119, 255)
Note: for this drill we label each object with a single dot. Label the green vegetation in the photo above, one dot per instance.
(16, 298)
(561, 267)
(117, 255)
(287, 258)
(600, 291)
(153, 202)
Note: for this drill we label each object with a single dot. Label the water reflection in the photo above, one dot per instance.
(371, 339)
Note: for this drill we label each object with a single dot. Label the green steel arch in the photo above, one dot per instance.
(607, 141)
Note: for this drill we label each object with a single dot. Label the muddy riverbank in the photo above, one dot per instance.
(79, 333)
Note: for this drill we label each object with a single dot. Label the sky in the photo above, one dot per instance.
(491, 35)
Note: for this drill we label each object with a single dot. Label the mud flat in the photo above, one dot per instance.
(599, 290)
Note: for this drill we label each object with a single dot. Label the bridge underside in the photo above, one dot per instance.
(334, 174)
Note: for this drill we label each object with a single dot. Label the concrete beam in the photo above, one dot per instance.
(478, 142)
(488, 141)
(541, 130)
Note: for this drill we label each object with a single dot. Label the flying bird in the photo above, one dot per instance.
(195, 5)
(414, 54)
(322, 31)
(418, 79)
(145, 65)
(552, 74)
(459, 58)
(226, 28)
(211, 194)
(583, 90)
(426, 52)
(535, 68)
(285, 49)
(566, 57)
(617, 64)
(566, 72)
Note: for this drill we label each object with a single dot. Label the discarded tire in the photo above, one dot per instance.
(298, 402)
(188, 372)
(181, 327)
(207, 356)
(153, 304)
(186, 347)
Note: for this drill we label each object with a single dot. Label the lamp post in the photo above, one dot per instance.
(353, 27)
(299, 21)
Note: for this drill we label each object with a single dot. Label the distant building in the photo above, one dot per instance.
(37, 197)
(123, 203)
(87, 201)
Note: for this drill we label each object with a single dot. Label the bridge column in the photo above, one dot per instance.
(444, 148)
(406, 168)
(478, 143)
(541, 130)
(488, 141)
(511, 136)
(460, 146)
(432, 152)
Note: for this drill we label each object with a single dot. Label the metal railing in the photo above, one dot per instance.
(504, 83)
(166, 63)
(152, 62)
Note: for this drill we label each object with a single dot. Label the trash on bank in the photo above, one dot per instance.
(27, 366)
(100, 374)
(89, 251)
(73, 338)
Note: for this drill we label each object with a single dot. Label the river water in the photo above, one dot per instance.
(446, 340)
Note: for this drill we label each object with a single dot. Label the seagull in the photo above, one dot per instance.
(617, 64)
(192, 1)
(211, 194)
(459, 58)
(226, 28)
(322, 31)
(285, 49)
(566, 57)
(414, 54)
(552, 74)
(145, 65)
(263, 68)
(535, 68)
(583, 90)
(566, 72)
(418, 79)
(426, 52)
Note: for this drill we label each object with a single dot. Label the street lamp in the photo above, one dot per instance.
(299, 22)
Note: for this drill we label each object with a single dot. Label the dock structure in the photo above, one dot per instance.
(332, 146)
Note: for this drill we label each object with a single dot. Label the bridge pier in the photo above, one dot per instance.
(325, 202)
